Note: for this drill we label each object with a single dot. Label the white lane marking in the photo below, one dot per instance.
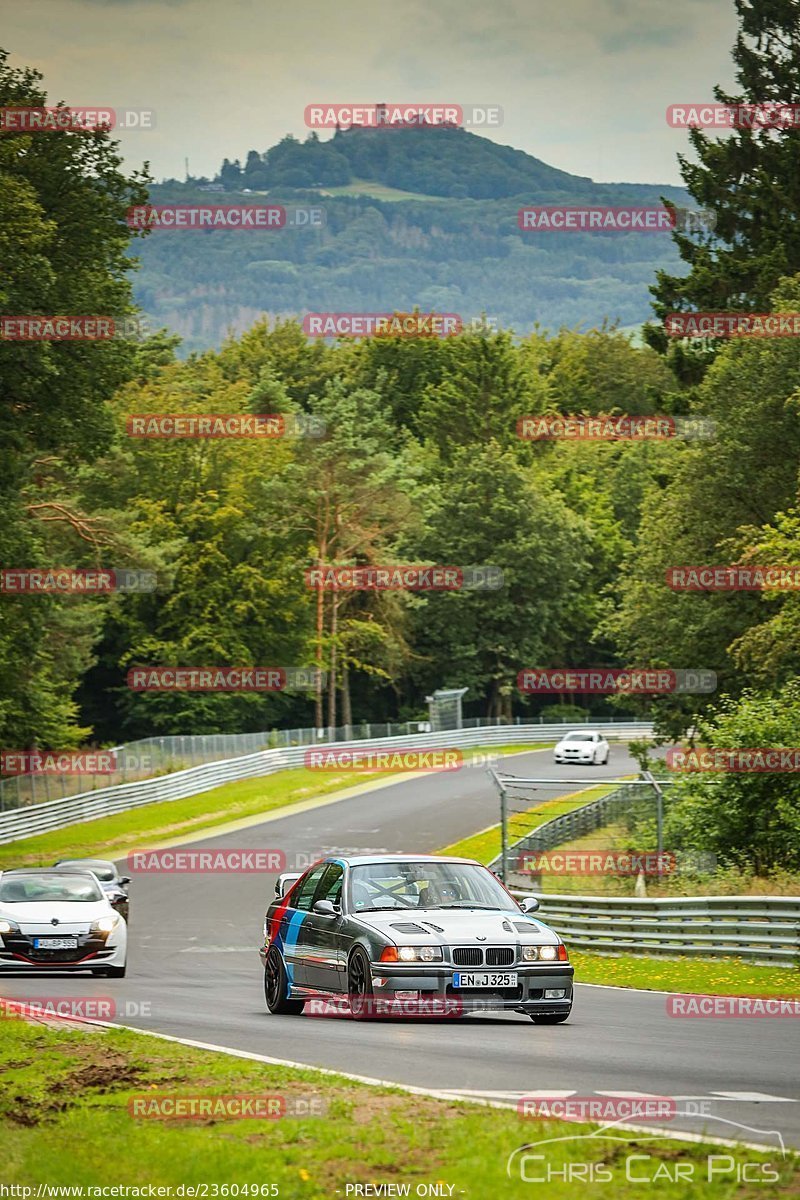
(669, 1134)
(630, 1095)
(512, 1095)
(218, 950)
(559, 1094)
(615, 987)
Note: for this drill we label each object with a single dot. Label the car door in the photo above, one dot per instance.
(324, 962)
(296, 931)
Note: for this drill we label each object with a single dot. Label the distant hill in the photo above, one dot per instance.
(454, 246)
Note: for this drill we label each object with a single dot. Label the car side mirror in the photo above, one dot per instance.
(124, 878)
(324, 908)
(529, 904)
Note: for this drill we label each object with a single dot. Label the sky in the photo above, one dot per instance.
(583, 84)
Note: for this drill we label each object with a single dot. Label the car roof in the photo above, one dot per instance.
(96, 862)
(357, 860)
(47, 871)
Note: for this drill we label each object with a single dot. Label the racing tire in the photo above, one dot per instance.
(359, 986)
(549, 1018)
(276, 985)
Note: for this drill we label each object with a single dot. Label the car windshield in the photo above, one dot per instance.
(104, 871)
(44, 889)
(579, 737)
(392, 885)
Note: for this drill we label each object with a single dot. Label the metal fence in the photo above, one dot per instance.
(571, 825)
(26, 820)
(763, 929)
(153, 756)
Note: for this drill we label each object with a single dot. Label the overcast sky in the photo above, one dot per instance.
(583, 83)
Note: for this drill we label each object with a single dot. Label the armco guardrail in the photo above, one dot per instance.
(574, 824)
(56, 814)
(763, 929)
(168, 753)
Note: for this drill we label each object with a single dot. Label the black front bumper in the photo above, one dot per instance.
(437, 982)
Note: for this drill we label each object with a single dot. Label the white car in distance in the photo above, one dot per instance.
(582, 746)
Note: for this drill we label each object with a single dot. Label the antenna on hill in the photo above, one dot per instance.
(186, 167)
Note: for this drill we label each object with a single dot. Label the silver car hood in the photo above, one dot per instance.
(462, 927)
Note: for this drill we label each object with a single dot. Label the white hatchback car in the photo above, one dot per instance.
(60, 920)
(582, 746)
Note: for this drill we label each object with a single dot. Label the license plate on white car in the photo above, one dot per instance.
(47, 943)
(487, 979)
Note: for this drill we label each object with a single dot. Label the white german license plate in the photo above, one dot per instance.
(487, 979)
(48, 943)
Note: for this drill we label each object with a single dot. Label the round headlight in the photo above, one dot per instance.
(429, 953)
(548, 952)
(407, 954)
(530, 953)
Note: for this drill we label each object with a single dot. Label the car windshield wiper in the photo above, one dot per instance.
(383, 908)
(483, 907)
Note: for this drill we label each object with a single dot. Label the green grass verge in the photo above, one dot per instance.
(65, 1120)
(110, 837)
(380, 191)
(708, 977)
(485, 845)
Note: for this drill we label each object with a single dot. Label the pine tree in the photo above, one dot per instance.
(749, 179)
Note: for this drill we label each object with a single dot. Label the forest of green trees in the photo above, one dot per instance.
(421, 463)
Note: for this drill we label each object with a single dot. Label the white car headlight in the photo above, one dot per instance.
(419, 953)
(548, 952)
(105, 924)
(8, 926)
(530, 953)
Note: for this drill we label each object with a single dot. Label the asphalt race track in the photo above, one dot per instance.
(193, 960)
